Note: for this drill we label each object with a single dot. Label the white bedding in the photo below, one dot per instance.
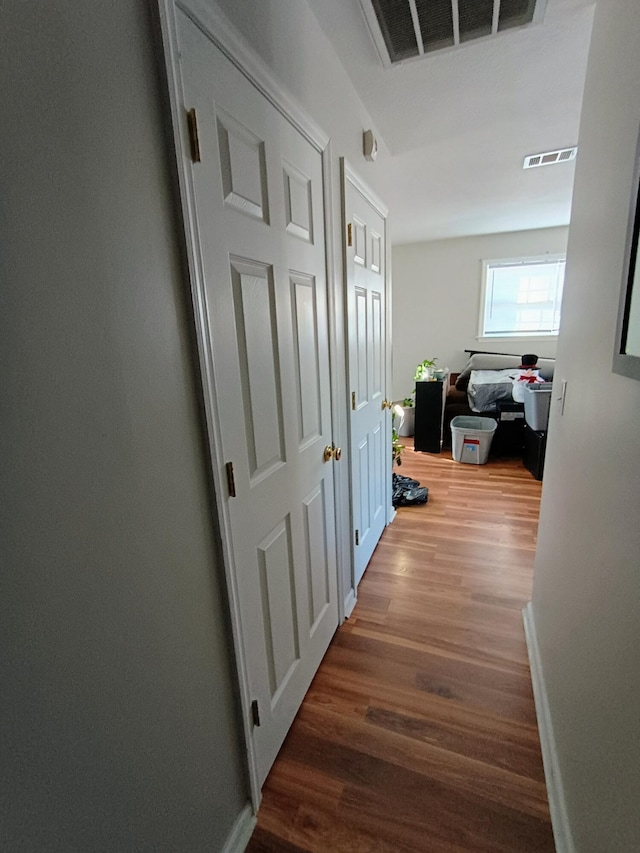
(487, 387)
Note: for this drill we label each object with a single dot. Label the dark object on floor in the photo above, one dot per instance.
(535, 445)
(407, 492)
(509, 437)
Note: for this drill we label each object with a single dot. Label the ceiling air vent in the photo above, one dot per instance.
(550, 158)
(408, 29)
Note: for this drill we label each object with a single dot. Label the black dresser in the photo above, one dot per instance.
(429, 415)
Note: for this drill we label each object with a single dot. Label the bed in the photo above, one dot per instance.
(485, 384)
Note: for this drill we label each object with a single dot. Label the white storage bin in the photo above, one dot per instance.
(537, 402)
(471, 438)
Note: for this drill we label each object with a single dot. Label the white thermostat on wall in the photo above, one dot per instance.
(369, 145)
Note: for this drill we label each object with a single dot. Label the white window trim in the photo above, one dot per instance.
(509, 262)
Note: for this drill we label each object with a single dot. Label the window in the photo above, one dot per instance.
(521, 297)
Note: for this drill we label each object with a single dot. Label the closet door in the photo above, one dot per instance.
(258, 190)
(368, 344)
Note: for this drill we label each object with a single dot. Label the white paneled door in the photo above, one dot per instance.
(259, 208)
(368, 346)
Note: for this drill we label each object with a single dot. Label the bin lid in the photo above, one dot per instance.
(539, 387)
(468, 422)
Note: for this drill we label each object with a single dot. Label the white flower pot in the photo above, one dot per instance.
(408, 425)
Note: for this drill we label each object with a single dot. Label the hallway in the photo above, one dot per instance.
(419, 732)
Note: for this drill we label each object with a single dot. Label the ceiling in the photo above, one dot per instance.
(459, 123)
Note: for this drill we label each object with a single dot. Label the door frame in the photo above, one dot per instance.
(348, 175)
(221, 33)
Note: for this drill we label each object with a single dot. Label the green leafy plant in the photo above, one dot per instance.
(425, 369)
(396, 447)
(409, 401)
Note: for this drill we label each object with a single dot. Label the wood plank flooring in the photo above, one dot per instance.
(419, 732)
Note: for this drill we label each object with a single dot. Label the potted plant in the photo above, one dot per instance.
(425, 370)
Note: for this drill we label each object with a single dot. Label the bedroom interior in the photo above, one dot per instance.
(123, 720)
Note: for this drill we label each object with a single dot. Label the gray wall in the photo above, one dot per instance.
(586, 597)
(116, 700)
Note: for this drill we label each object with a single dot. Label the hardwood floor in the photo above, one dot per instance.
(419, 731)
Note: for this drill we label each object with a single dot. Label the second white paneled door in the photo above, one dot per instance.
(368, 345)
(259, 207)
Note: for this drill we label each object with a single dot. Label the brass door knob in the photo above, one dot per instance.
(387, 404)
(332, 452)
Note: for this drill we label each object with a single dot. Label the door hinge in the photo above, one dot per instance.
(194, 140)
(357, 537)
(349, 234)
(353, 400)
(231, 480)
(255, 713)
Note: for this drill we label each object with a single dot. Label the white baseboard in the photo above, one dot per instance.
(241, 832)
(350, 603)
(555, 792)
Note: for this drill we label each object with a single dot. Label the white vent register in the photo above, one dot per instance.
(549, 158)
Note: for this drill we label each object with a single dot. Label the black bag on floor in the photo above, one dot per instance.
(407, 492)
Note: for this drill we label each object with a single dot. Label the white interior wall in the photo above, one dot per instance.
(436, 299)
(586, 593)
(117, 707)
